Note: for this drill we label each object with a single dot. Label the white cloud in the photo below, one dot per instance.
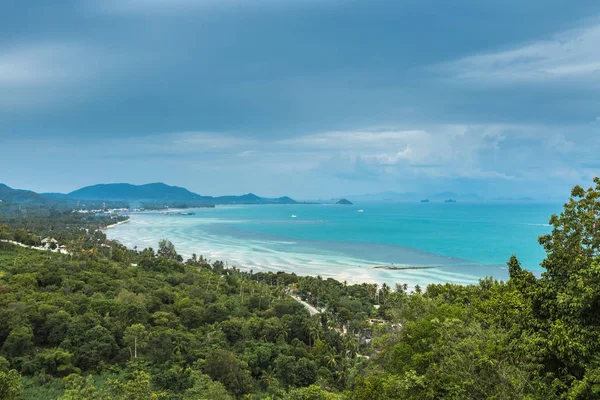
(452, 151)
(469, 151)
(571, 55)
(480, 152)
(340, 140)
(560, 143)
(433, 146)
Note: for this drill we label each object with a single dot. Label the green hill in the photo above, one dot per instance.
(10, 195)
(128, 192)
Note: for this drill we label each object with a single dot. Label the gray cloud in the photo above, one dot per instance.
(346, 96)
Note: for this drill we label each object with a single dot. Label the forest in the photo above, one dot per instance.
(106, 322)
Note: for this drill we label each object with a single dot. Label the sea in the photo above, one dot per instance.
(416, 244)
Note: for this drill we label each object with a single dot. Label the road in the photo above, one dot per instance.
(57, 250)
(311, 309)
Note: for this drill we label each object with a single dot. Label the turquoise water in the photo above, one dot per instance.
(463, 241)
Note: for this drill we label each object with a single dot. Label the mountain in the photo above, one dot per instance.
(10, 195)
(128, 192)
(163, 194)
(124, 194)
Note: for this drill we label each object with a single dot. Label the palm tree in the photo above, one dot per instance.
(314, 329)
(331, 359)
(385, 290)
(400, 289)
(179, 345)
(350, 346)
(342, 373)
(268, 377)
(332, 322)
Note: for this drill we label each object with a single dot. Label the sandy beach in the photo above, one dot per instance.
(117, 224)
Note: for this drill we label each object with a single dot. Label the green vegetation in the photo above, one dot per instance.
(116, 323)
(77, 231)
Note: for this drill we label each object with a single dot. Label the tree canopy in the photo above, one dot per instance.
(103, 321)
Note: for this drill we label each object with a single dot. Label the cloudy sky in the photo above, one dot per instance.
(308, 98)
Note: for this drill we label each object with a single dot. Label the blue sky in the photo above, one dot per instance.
(308, 98)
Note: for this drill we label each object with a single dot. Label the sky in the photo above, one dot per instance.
(306, 98)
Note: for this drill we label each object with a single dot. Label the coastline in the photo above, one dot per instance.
(218, 235)
(116, 224)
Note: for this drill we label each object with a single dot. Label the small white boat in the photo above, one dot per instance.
(293, 215)
(360, 210)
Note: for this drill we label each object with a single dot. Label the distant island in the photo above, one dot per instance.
(411, 197)
(344, 202)
(450, 201)
(425, 201)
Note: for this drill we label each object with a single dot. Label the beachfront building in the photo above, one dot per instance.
(49, 243)
(294, 290)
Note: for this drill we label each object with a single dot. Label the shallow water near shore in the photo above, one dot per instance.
(464, 242)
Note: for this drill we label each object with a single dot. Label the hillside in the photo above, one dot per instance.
(10, 195)
(108, 322)
(160, 192)
(122, 194)
(128, 192)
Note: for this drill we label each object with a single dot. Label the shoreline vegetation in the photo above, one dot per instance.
(112, 322)
(117, 224)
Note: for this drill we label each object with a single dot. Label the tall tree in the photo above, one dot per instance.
(166, 249)
(135, 336)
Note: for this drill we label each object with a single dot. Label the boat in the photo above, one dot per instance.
(425, 201)
(360, 210)
(293, 215)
